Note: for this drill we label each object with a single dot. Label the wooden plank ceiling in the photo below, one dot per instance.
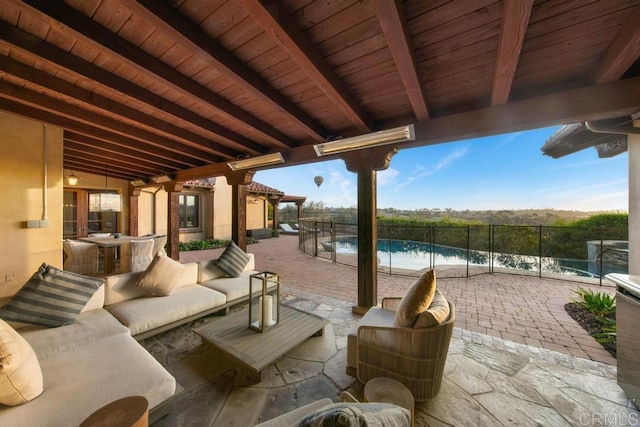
(179, 87)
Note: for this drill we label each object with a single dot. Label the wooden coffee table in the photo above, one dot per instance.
(253, 350)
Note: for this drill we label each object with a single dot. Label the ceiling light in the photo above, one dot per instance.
(255, 162)
(72, 179)
(383, 137)
(138, 182)
(161, 179)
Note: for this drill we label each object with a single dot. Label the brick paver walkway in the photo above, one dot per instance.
(522, 309)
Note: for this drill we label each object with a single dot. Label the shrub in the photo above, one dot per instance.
(599, 303)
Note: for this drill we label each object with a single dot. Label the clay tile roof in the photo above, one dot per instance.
(256, 187)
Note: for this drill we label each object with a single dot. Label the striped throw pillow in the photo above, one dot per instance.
(233, 260)
(52, 297)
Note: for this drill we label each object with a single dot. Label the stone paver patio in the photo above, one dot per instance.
(494, 375)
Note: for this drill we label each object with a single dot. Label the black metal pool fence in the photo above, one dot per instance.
(546, 251)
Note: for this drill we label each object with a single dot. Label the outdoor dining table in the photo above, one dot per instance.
(109, 244)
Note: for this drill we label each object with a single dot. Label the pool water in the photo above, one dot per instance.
(410, 255)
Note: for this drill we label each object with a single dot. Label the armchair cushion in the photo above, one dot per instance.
(437, 312)
(417, 299)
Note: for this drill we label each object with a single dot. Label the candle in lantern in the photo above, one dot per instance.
(268, 313)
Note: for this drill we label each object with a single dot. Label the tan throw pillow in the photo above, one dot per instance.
(161, 277)
(416, 300)
(437, 312)
(20, 374)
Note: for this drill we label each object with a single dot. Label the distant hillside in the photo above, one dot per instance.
(506, 217)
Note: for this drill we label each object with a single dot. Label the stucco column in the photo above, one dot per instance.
(633, 147)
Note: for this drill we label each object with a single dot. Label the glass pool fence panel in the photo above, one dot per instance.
(516, 249)
(404, 250)
(584, 252)
(544, 251)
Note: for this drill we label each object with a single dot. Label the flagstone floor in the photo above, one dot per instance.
(516, 357)
(488, 381)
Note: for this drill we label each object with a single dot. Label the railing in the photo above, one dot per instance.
(545, 251)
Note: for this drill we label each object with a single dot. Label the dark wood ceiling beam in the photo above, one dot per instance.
(515, 20)
(55, 56)
(98, 169)
(66, 18)
(391, 18)
(623, 51)
(171, 22)
(119, 150)
(74, 153)
(275, 22)
(67, 123)
(620, 98)
(74, 112)
(107, 105)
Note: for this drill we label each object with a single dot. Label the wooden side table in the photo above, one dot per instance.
(129, 411)
(388, 390)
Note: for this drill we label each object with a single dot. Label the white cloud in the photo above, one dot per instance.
(420, 171)
(387, 176)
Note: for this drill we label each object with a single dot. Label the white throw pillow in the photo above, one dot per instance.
(20, 374)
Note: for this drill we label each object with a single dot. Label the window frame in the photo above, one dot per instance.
(182, 213)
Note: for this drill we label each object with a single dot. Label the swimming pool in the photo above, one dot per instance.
(411, 255)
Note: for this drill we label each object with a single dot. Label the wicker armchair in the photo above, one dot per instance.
(413, 356)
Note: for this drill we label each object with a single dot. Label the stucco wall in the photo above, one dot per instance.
(24, 249)
(222, 209)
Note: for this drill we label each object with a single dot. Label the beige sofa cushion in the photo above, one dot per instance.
(88, 328)
(417, 299)
(20, 374)
(437, 312)
(79, 382)
(123, 287)
(160, 277)
(144, 314)
(233, 287)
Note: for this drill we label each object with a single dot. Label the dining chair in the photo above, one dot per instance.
(136, 255)
(158, 244)
(81, 257)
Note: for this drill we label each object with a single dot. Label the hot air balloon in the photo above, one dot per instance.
(318, 180)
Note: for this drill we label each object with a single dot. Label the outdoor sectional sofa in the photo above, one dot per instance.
(96, 359)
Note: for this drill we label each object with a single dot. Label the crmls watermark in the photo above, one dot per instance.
(615, 419)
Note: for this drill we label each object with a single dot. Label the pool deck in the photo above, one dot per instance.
(522, 309)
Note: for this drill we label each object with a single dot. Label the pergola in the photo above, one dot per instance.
(172, 91)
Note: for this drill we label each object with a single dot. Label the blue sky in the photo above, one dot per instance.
(500, 172)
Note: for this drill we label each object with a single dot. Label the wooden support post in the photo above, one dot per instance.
(134, 217)
(365, 163)
(275, 203)
(173, 219)
(239, 181)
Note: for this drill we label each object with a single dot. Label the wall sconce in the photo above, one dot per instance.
(255, 162)
(375, 139)
(72, 179)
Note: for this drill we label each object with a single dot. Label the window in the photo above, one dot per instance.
(189, 210)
